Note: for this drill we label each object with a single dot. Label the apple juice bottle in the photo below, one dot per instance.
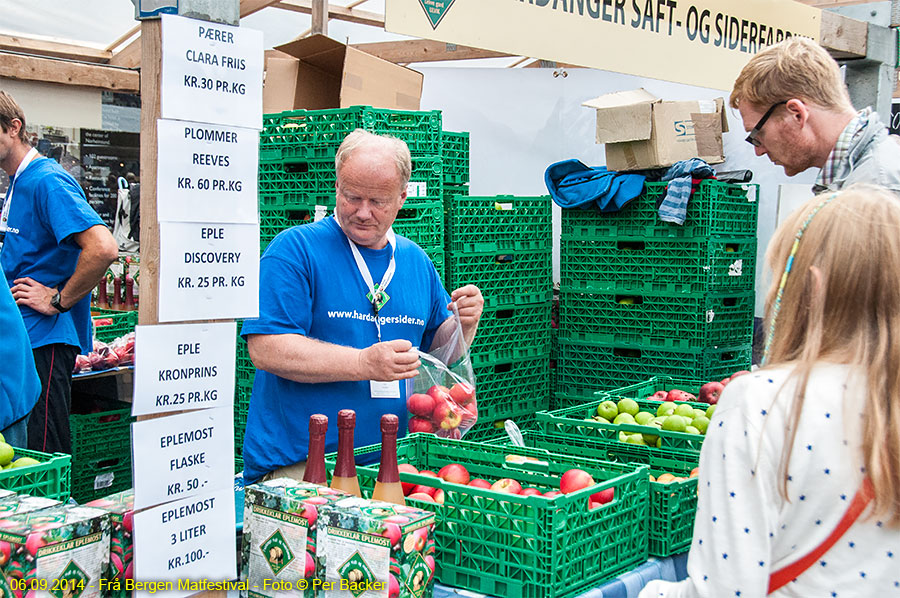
(344, 477)
(387, 487)
(315, 459)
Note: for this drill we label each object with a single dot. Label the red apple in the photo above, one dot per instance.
(530, 492)
(5, 550)
(680, 395)
(429, 560)
(420, 404)
(507, 486)
(463, 393)
(438, 392)
(420, 489)
(725, 381)
(439, 496)
(128, 520)
(660, 395)
(739, 373)
(407, 468)
(310, 513)
(421, 496)
(574, 480)
(552, 493)
(392, 532)
(603, 497)
(34, 542)
(428, 473)
(310, 566)
(446, 415)
(710, 392)
(454, 473)
(393, 587)
(420, 424)
(480, 483)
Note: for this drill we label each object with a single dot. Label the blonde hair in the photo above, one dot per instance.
(841, 304)
(360, 138)
(795, 68)
(9, 111)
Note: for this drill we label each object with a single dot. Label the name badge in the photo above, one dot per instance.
(384, 390)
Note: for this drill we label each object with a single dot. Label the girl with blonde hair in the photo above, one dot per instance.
(799, 489)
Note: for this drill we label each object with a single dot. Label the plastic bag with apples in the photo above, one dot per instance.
(443, 396)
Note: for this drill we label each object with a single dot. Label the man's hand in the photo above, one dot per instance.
(388, 361)
(470, 304)
(29, 292)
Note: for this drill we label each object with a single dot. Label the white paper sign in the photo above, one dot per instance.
(183, 366)
(182, 455)
(208, 271)
(190, 540)
(211, 73)
(207, 173)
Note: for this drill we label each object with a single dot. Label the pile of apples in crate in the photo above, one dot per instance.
(674, 413)
(572, 480)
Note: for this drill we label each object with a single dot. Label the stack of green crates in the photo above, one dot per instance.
(244, 373)
(641, 297)
(502, 244)
(101, 451)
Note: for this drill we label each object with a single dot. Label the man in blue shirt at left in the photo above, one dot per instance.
(55, 250)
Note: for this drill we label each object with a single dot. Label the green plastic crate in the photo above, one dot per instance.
(513, 277)
(639, 391)
(51, 478)
(422, 222)
(294, 131)
(673, 506)
(455, 154)
(485, 431)
(513, 379)
(498, 223)
(583, 368)
(106, 432)
(525, 546)
(101, 476)
(716, 208)
(110, 324)
(295, 198)
(274, 221)
(659, 319)
(512, 332)
(658, 265)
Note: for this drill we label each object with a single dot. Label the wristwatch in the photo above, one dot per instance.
(57, 305)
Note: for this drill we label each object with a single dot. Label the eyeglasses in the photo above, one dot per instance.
(754, 132)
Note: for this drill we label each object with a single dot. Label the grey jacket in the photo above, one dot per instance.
(873, 159)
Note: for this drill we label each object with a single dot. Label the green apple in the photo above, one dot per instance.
(698, 413)
(628, 406)
(636, 439)
(710, 410)
(643, 418)
(602, 420)
(674, 423)
(24, 462)
(650, 439)
(607, 410)
(659, 443)
(6, 454)
(701, 423)
(665, 409)
(623, 436)
(624, 418)
(691, 430)
(685, 410)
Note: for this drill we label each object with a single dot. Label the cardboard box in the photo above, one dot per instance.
(23, 503)
(278, 545)
(373, 549)
(68, 546)
(318, 73)
(121, 542)
(642, 131)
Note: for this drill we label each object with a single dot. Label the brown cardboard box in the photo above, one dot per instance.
(318, 73)
(641, 131)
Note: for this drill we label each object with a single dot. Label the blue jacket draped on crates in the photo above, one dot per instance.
(310, 285)
(19, 382)
(573, 185)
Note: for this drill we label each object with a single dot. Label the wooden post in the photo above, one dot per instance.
(320, 17)
(151, 62)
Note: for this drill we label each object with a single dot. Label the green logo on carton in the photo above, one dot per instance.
(419, 574)
(277, 552)
(357, 572)
(435, 10)
(72, 582)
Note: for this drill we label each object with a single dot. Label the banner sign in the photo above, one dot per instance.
(701, 42)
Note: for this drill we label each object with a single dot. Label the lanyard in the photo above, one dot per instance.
(4, 216)
(377, 295)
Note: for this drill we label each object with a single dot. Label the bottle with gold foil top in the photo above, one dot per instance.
(388, 487)
(315, 459)
(344, 477)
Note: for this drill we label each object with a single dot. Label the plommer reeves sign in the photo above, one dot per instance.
(700, 42)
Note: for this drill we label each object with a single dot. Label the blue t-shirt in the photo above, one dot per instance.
(20, 386)
(310, 285)
(48, 207)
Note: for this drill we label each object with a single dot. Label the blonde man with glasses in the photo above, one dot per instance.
(796, 109)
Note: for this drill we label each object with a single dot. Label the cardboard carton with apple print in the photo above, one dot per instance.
(373, 549)
(279, 537)
(121, 547)
(68, 546)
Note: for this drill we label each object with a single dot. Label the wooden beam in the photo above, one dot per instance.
(51, 70)
(843, 37)
(319, 17)
(340, 13)
(551, 64)
(122, 38)
(423, 50)
(248, 7)
(29, 45)
(148, 308)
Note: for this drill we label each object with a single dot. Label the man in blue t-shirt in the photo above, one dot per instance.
(317, 344)
(55, 250)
